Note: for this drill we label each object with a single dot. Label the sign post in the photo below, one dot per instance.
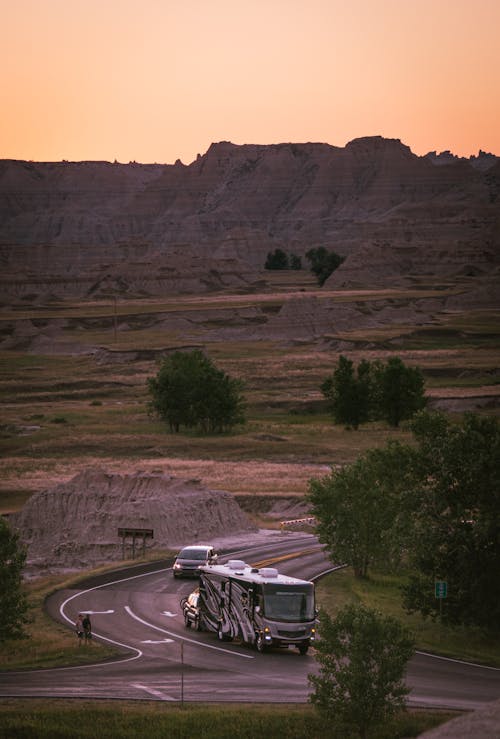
(135, 534)
(441, 589)
(182, 674)
(441, 592)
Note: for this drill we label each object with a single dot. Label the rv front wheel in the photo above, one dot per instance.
(303, 649)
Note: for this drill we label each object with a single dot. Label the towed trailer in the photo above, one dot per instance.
(260, 607)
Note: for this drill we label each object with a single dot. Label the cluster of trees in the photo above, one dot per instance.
(189, 390)
(279, 259)
(389, 391)
(432, 507)
(322, 262)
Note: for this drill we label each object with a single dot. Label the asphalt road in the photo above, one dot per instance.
(139, 611)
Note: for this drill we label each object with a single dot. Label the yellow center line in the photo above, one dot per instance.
(283, 557)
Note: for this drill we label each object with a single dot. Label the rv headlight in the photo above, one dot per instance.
(267, 634)
(313, 634)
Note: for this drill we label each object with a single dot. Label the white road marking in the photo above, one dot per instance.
(184, 638)
(170, 615)
(158, 641)
(458, 661)
(92, 613)
(104, 638)
(152, 691)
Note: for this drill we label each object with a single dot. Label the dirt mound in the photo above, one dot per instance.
(75, 524)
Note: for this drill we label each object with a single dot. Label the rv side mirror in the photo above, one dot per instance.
(213, 559)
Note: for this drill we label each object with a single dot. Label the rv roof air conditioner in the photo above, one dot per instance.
(236, 564)
(268, 572)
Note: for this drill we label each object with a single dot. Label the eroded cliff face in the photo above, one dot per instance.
(94, 228)
(75, 524)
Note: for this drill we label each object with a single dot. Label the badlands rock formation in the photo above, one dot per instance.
(95, 228)
(75, 524)
(302, 318)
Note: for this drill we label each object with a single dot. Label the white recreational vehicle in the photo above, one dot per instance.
(258, 606)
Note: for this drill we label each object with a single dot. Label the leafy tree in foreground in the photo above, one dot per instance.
(189, 390)
(358, 509)
(455, 509)
(323, 263)
(13, 601)
(362, 657)
(348, 392)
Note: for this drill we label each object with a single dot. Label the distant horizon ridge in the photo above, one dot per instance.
(445, 154)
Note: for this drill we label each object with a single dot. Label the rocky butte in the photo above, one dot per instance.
(86, 229)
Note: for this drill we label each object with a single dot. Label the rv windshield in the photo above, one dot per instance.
(289, 602)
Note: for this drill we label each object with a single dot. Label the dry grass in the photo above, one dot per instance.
(92, 414)
(251, 477)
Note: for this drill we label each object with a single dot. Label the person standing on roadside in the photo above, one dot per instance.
(87, 628)
(79, 629)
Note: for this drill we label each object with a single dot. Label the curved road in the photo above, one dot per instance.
(139, 611)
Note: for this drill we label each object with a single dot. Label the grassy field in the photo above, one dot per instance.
(382, 592)
(62, 413)
(89, 720)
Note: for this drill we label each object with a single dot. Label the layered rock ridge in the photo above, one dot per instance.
(93, 228)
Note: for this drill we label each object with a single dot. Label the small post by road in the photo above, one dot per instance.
(182, 674)
(441, 592)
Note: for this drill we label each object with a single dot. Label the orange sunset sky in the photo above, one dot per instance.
(157, 80)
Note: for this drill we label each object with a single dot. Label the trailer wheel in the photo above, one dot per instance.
(303, 648)
(197, 624)
(260, 644)
(187, 621)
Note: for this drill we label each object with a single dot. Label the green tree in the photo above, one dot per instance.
(397, 391)
(455, 509)
(278, 259)
(348, 392)
(14, 604)
(295, 262)
(362, 657)
(323, 263)
(374, 390)
(358, 509)
(189, 390)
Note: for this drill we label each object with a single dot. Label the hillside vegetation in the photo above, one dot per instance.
(73, 386)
